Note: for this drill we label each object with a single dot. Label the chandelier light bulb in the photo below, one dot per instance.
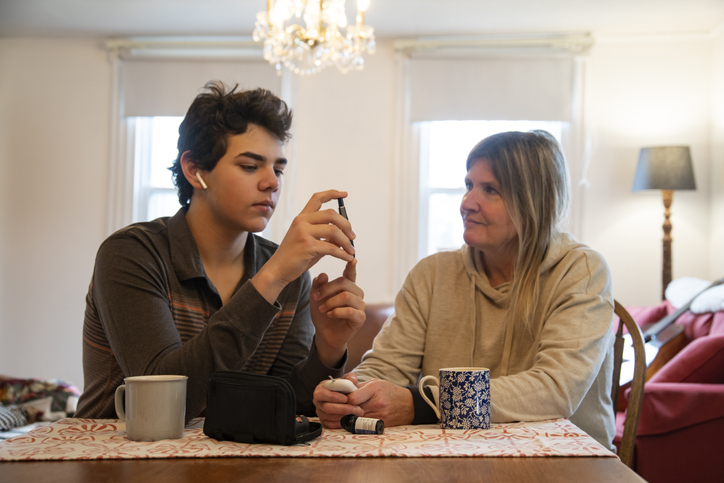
(318, 43)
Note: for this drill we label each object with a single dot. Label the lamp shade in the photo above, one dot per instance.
(664, 168)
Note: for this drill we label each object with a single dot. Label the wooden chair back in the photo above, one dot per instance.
(636, 395)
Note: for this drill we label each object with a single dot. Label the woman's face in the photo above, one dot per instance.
(488, 226)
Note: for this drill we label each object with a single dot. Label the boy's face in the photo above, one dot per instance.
(244, 187)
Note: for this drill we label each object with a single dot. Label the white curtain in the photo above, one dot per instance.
(166, 87)
(515, 88)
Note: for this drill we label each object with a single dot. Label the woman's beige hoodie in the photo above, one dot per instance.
(557, 366)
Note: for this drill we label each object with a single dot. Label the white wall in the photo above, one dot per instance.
(648, 93)
(54, 118)
(716, 258)
(54, 126)
(343, 132)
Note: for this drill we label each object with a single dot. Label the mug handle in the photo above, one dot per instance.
(421, 385)
(120, 395)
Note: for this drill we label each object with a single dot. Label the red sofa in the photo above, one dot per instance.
(681, 428)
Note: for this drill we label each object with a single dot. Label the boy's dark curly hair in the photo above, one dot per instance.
(217, 114)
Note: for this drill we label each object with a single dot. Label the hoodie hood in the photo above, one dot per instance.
(561, 245)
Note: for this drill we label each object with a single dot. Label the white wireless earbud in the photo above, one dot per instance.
(203, 185)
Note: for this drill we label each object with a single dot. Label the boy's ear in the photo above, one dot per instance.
(190, 170)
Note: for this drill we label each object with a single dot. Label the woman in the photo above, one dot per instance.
(521, 298)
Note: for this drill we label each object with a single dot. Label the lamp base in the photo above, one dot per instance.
(668, 196)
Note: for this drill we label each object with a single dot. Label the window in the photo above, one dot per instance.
(444, 148)
(155, 150)
(151, 89)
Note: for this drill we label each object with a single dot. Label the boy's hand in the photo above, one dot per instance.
(337, 311)
(312, 235)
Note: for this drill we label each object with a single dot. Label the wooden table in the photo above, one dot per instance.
(403, 454)
(374, 470)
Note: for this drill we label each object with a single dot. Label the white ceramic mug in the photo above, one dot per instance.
(464, 397)
(155, 407)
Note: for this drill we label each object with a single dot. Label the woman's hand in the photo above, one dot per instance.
(374, 399)
(384, 400)
(332, 405)
(312, 235)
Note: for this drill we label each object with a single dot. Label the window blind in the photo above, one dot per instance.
(533, 89)
(165, 87)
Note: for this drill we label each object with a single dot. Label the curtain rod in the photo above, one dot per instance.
(181, 42)
(182, 46)
(573, 43)
(226, 46)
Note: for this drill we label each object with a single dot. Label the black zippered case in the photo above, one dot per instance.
(254, 408)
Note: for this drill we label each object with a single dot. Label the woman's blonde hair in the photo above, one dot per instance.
(533, 178)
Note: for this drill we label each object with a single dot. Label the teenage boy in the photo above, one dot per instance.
(200, 292)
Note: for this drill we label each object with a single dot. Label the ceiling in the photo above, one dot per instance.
(390, 18)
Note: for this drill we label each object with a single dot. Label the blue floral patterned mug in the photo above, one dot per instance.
(464, 397)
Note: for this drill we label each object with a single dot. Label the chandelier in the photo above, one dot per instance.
(319, 43)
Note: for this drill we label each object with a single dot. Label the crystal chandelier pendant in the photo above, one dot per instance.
(319, 43)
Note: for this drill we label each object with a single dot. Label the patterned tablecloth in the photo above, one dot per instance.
(77, 439)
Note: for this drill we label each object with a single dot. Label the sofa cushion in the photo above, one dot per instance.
(361, 342)
(702, 361)
(695, 325)
(717, 324)
(649, 314)
(667, 406)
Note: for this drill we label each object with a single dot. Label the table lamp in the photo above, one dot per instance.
(665, 168)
